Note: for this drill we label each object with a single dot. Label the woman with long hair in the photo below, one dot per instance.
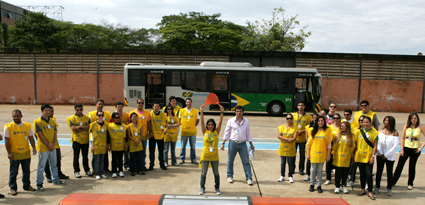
(134, 134)
(367, 142)
(336, 123)
(410, 147)
(344, 144)
(209, 155)
(308, 129)
(170, 138)
(387, 145)
(318, 151)
(287, 149)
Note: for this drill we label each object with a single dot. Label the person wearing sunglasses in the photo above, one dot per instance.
(308, 129)
(331, 113)
(365, 111)
(354, 165)
(125, 118)
(156, 138)
(143, 118)
(99, 134)
(117, 143)
(348, 116)
(301, 119)
(170, 138)
(336, 118)
(100, 104)
(80, 125)
(287, 134)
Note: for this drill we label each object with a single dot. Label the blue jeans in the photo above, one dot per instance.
(243, 153)
(42, 159)
(192, 141)
(14, 168)
(144, 143)
(167, 145)
(214, 165)
(98, 166)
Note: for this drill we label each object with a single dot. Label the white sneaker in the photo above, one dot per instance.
(333, 171)
(291, 180)
(121, 174)
(327, 182)
(104, 176)
(249, 181)
(307, 178)
(77, 174)
(350, 184)
(281, 179)
(230, 179)
(336, 190)
(114, 175)
(344, 189)
(98, 177)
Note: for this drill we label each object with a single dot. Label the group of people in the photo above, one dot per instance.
(345, 144)
(125, 135)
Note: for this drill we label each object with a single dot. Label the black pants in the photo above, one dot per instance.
(408, 152)
(84, 148)
(127, 159)
(106, 161)
(291, 165)
(308, 167)
(380, 163)
(301, 147)
(353, 170)
(58, 164)
(341, 173)
(329, 167)
(366, 175)
(117, 161)
(160, 143)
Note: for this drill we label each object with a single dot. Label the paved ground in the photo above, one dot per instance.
(184, 179)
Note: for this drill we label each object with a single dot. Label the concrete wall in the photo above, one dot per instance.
(71, 88)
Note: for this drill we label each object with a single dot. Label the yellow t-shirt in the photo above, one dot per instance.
(98, 134)
(158, 123)
(48, 129)
(301, 121)
(206, 154)
(18, 140)
(364, 151)
(318, 145)
(357, 115)
(80, 137)
(410, 141)
(136, 134)
(143, 118)
(118, 134)
(171, 135)
(106, 116)
(175, 110)
(188, 121)
(343, 153)
(287, 149)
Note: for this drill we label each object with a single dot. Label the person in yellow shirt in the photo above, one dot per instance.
(336, 123)
(125, 118)
(365, 155)
(318, 151)
(117, 143)
(100, 103)
(287, 134)
(158, 126)
(354, 165)
(308, 128)
(365, 111)
(46, 130)
(410, 147)
(343, 146)
(348, 116)
(189, 119)
(99, 134)
(170, 138)
(209, 154)
(301, 119)
(144, 118)
(17, 134)
(80, 125)
(134, 134)
(173, 104)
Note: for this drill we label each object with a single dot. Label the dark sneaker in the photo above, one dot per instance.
(29, 188)
(163, 167)
(59, 182)
(49, 179)
(150, 168)
(133, 174)
(1, 196)
(311, 188)
(63, 176)
(319, 189)
(145, 169)
(40, 187)
(141, 173)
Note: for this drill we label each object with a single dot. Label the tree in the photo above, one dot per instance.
(4, 32)
(276, 34)
(35, 30)
(196, 30)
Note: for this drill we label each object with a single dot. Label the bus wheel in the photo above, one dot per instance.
(275, 108)
(180, 103)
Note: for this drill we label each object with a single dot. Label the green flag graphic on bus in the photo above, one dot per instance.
(187, 94)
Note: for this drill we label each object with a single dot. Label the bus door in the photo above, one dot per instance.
(155, 89)
(303, 92)
(220, 86)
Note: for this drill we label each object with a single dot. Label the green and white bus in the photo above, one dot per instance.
(265, 89)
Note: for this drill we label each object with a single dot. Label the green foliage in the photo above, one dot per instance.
(35, 30)
(276, 34)
(199, 31)
(4, 32)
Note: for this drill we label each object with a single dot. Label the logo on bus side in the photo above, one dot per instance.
(187, 94)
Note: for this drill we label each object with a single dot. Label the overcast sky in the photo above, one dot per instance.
(349, 26)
